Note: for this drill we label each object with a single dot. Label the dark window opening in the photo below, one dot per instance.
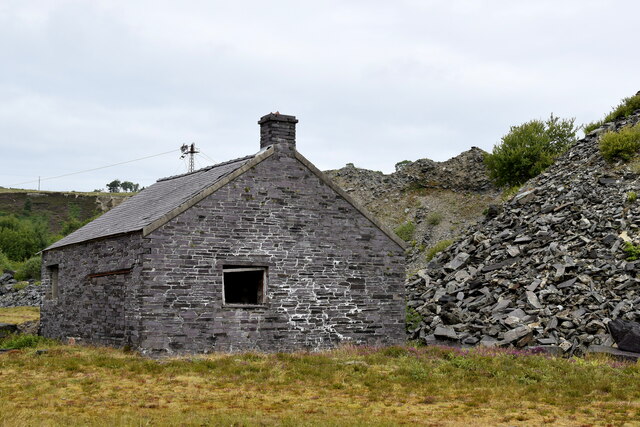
(244, 285)
(54, 289)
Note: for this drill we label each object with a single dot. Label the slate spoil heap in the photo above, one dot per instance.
(545, 269)
(30, 295)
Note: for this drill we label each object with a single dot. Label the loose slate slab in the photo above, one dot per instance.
(515, 334)
(615, 352)
(446, 332)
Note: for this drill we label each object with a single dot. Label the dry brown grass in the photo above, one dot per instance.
(17, 315)
(350, 386)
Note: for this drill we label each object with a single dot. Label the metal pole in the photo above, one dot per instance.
(192, 153)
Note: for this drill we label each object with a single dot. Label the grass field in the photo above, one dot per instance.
(16, 315)
(436, 386)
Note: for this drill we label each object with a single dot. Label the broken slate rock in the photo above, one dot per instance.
(459, 261)
(533, 300)
(625, 334)
(445, 332)
(516, 334)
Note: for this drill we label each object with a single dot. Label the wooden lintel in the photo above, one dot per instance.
(109, 273)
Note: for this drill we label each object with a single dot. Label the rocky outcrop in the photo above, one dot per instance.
(465, 172)
(548, 268)
(436, 199)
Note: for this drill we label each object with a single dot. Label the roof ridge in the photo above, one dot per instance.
(207, 168)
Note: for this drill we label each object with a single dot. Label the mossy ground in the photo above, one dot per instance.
(73, 385)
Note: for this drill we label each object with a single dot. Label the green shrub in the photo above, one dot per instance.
(21, 238)
(626, 107)
(623, 144)
(405, 231)
(26, 208)
(30, 269)
(592, 126)
(73, 224)
(434, 218)
(632, 251)
(13, 342)
(412, 319)
(18, 286)
(437, 248)
(632, 196)
(634, 166)
(5, 263)
(528, 149)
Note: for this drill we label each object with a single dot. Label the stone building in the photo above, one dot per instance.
(262, 252)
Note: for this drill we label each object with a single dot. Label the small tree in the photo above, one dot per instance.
(528, 149)
(127, 185)
(114, 186)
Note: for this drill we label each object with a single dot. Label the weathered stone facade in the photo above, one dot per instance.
(98, 287)
(332, 274)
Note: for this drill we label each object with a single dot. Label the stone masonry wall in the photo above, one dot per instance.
(333, 276)
(100, 310)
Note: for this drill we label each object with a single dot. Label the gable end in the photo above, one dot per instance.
(268, 152)
(386, 230)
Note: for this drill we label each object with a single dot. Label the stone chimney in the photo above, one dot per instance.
(276, 128)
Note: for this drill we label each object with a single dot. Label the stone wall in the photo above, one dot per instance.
(333, 276)
(91, 305)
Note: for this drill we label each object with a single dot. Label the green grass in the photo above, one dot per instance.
(412, 318)
(589, 127)
(71, 385)
(434, 218)
(437, 248)
(632, 196)
(626, 107)
(405, 231)
(19, 341)
(621, 145)
(509, 192)
(18, 286)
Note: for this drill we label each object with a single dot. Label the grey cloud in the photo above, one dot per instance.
(86, 84)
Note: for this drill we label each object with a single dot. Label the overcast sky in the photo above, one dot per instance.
(85, 84)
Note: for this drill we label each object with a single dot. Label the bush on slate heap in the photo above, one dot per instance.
(528, 149)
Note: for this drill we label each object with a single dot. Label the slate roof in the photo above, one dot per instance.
(152, 203)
